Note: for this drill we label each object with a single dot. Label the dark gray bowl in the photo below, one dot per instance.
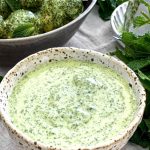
(13, 50)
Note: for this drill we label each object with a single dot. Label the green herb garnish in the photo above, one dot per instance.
(24, 30)
(106, 7)
(139, 63)
(137, 56)
(144, 18)
(136, 46)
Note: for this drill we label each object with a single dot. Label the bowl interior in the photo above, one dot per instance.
(55, 54)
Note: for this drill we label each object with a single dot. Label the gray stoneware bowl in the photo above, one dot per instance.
(13, 50)
(29, 63)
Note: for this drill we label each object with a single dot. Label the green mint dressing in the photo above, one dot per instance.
(72, 103)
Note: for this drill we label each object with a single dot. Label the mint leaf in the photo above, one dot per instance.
(136, 137)
(140, 21)
(4, 9)
(145, 143)
(143, 76)
(139, 64)
(136, 46)
(147, 112)
(106, 7)
(147, 109)
(140, 137)
(120, 54)
(145, 80)
(144, 18)
(1, 78)
(143, 127)
(146, 4)
(147, 121)
(14, 4)
(24, 30)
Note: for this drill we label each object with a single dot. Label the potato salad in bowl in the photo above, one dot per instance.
(23, 18)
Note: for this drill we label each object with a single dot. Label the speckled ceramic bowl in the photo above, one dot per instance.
(13, 50)
(29, 63)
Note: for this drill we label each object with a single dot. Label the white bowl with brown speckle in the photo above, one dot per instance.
(29, 63)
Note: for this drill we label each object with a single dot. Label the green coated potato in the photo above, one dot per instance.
(46, 16)
(1, 25)
(74, 8)
(31, 17)
(22, 18)
(56, 13)
(31, 3)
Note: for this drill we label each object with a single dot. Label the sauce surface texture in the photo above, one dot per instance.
(72, 103)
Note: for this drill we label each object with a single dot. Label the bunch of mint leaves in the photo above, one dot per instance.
(137, 56)
(106, 7)
(144, 18)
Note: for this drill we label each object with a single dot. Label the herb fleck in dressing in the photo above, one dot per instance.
(69, 103)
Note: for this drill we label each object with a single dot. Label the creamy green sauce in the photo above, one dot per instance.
(72, 103)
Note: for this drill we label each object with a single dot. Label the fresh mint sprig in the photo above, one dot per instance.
(24, 30)
(144, 18)
(137, 56)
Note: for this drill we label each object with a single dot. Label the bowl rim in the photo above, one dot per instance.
(84, 13)
(120, 136)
